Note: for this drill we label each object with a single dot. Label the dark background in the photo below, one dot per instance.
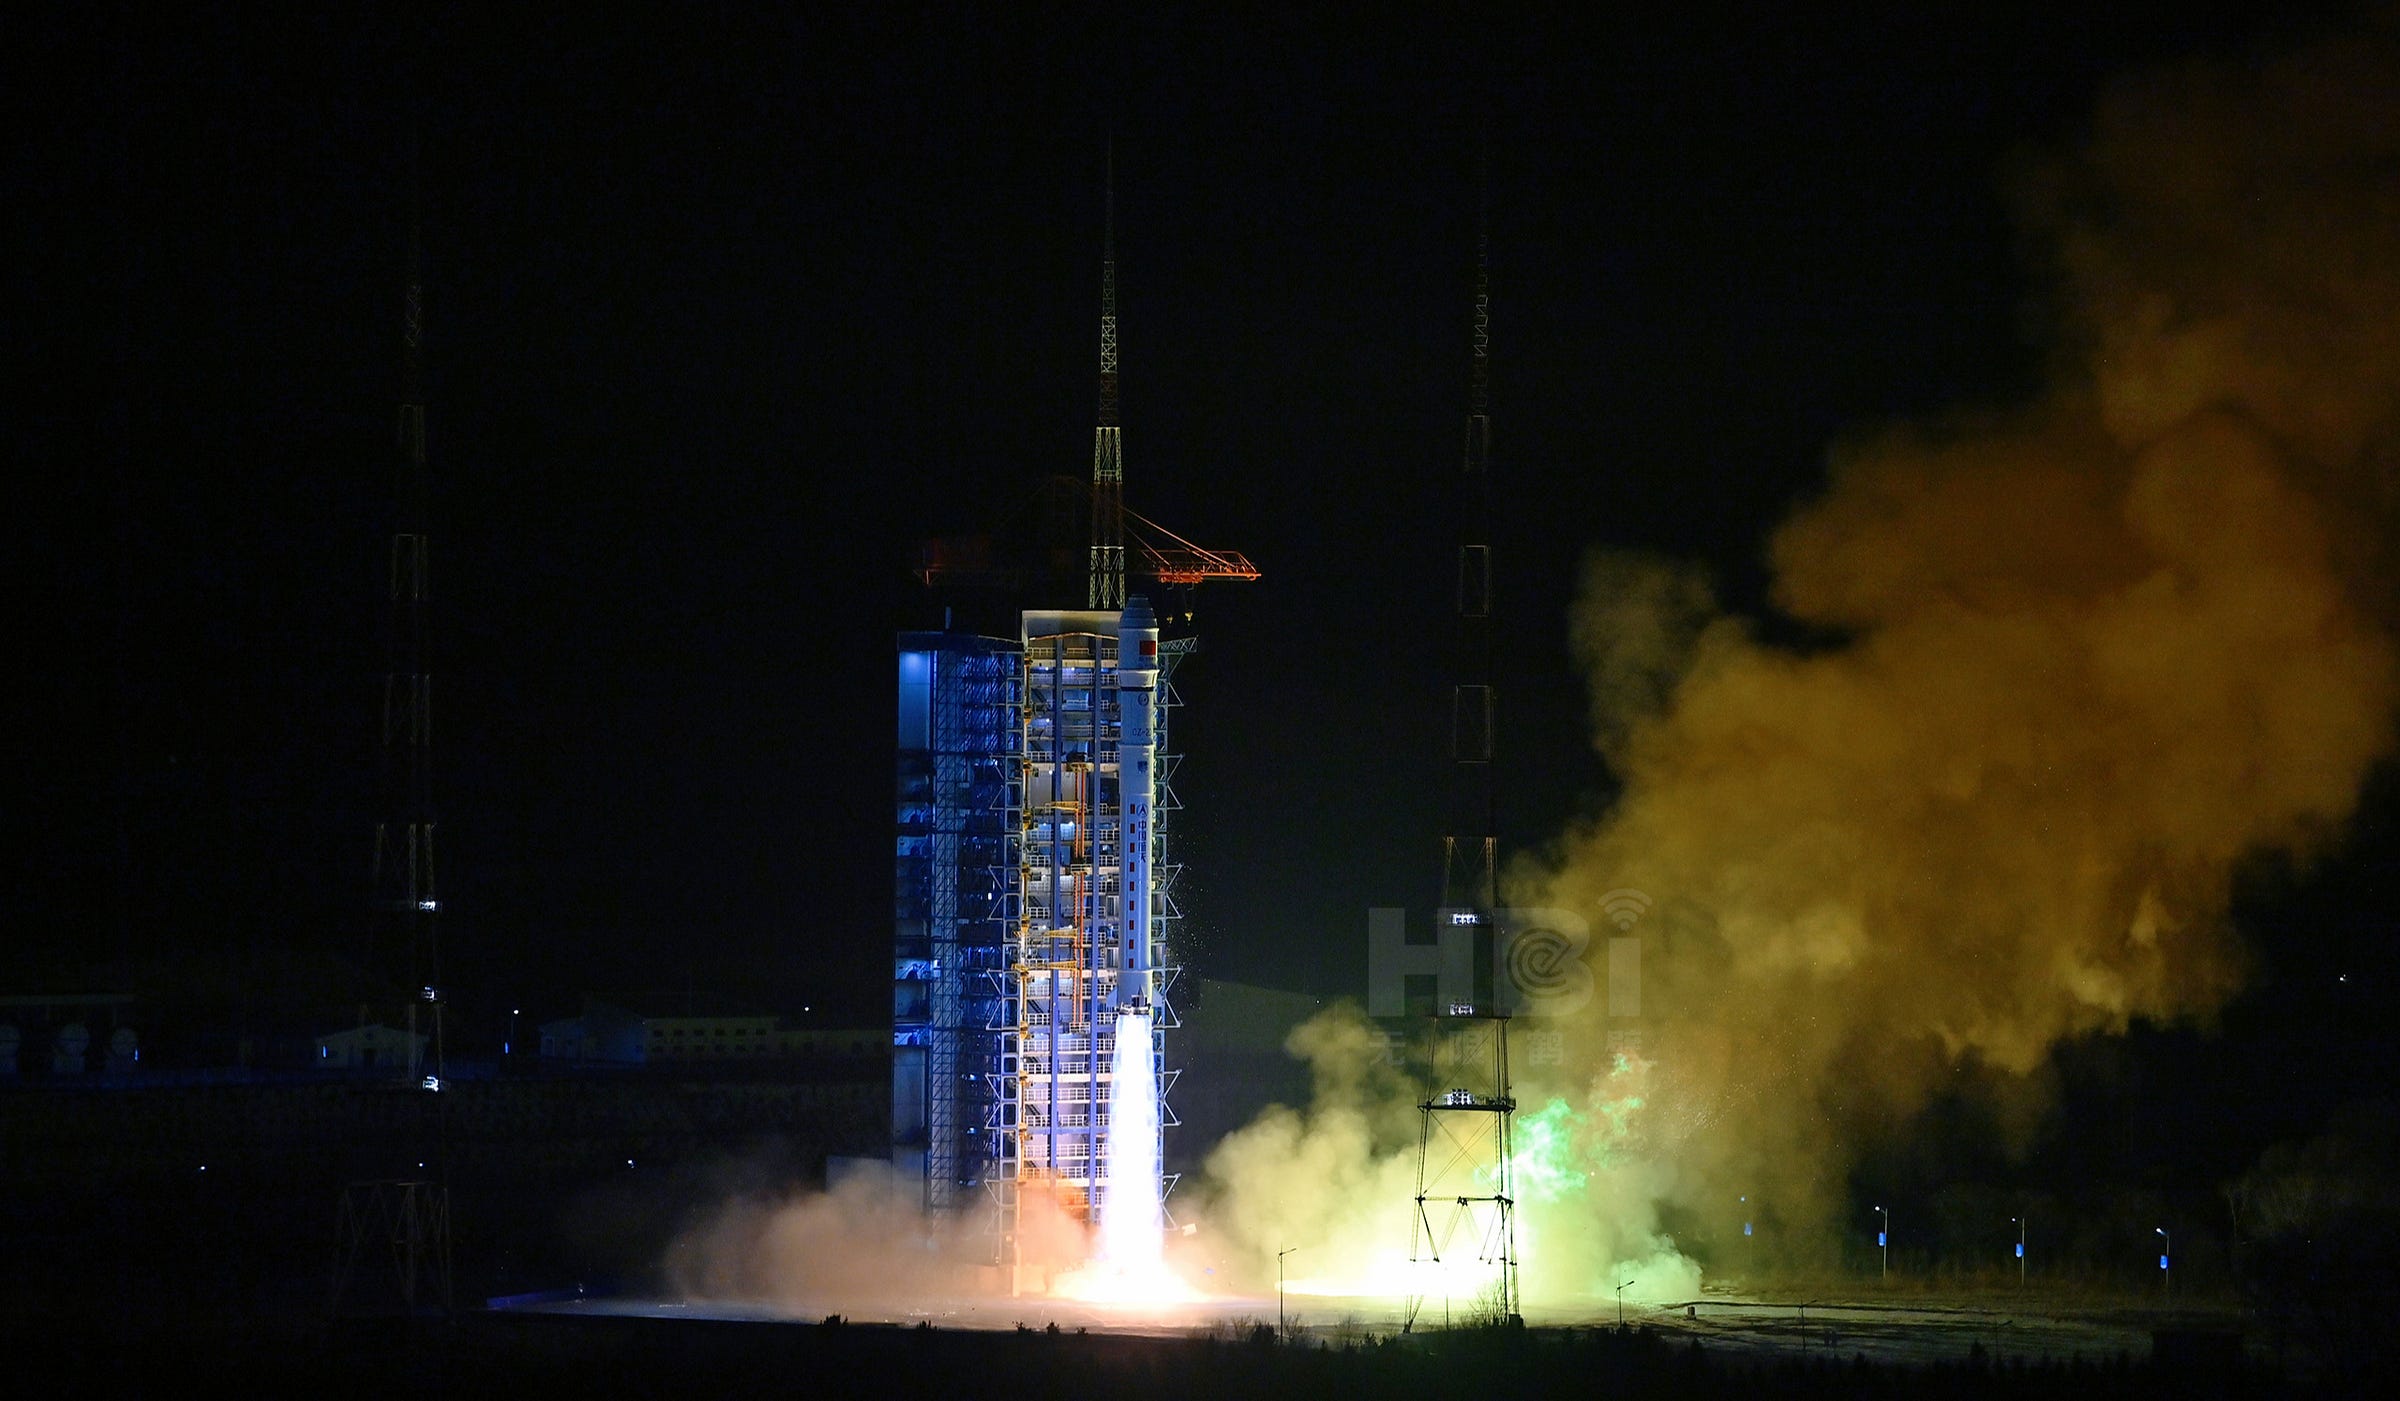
(730, 305)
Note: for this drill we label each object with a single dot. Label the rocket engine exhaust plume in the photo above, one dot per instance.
(2087, 655)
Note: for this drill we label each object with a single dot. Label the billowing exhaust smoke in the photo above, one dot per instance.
(2079, 660)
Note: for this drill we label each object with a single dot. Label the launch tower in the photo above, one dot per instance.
(1034, 904)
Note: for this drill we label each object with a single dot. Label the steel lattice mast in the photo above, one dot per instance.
(1159, 554)
(407, 902)
(1108, 463)
(1465, 1143)
(403, 1221)
(1470, 849)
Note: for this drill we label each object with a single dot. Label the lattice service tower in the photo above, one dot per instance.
(1035, 904)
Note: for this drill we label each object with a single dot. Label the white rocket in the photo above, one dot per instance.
(1137, 791)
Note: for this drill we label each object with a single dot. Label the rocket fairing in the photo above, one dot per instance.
(1137, 791)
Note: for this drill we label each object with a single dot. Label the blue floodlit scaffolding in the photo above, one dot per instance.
(954, 903)
(1012, 933)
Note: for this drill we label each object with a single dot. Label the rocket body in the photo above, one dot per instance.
(1137, 794)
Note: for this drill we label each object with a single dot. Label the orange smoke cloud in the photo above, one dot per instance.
(2079, 660)
(2091, 654)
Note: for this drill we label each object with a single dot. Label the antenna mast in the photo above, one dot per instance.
(1108, 462)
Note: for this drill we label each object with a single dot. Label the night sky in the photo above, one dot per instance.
(727, 306)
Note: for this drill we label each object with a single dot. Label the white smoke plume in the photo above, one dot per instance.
(867, 1247)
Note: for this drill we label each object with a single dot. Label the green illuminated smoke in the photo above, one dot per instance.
(1546, 1156)
(1559, 1147)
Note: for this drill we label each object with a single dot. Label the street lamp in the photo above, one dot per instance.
(1282, 1324)
(2020, 1250)
(2166, 1272)
(1621, 1305)
(1883, 1245)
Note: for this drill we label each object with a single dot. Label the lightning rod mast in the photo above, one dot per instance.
(1108, 463)
(402, 1222)
(1468, 1130)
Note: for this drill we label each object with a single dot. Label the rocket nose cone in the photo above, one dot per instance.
(1137, 615)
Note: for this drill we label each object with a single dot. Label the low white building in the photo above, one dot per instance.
(370, 1047)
